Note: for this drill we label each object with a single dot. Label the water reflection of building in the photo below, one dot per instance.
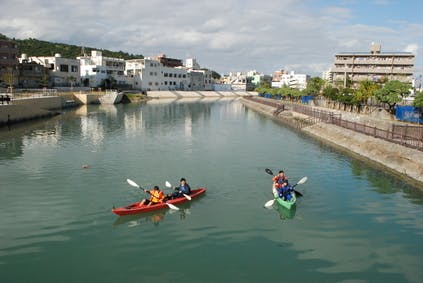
(92, 130)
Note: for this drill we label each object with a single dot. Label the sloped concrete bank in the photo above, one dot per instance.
(402, 161)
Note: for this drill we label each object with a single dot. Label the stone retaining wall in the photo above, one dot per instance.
(402, 161)
(29, 108)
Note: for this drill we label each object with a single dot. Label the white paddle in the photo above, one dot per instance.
(168, 185)
(132, 183)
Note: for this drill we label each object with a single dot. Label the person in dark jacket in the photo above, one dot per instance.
(182, 189)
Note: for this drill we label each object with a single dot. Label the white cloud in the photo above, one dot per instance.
(412, 48)
(230, 35)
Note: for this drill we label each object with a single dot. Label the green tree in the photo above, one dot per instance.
(314, 86)
(392, 93)
(418, 100)
(9, 77)
(215, 75)
(331, 92)
(71, 79)
(44, 80)
(366, 90)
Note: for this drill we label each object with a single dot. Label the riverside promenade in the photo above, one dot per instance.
(400, 160)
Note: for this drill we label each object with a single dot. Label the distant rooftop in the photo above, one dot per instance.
(375, 49)
(369, 53)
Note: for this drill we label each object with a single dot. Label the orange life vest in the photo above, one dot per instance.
(156, 196)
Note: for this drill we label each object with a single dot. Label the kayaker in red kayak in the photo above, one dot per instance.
(156, 196)
(182, 189)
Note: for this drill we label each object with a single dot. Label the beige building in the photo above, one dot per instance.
(374, 65)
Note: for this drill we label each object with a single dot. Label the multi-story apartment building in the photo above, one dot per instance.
(8, 62)
(374, 65)
(100, 71)
(150, 74)
(283, 78)
(63, 72)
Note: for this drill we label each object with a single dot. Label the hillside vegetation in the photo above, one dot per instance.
(35, 47)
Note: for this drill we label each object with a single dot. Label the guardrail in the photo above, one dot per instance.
(410, 136)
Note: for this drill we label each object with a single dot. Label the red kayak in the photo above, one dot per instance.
(134, 208)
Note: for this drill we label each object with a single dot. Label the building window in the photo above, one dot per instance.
(74, 68)
(165, 82)
(165, 74)
(64, 68)
(150, 83)
(156, 83)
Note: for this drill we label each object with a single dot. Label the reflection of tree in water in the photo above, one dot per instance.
(384, 182)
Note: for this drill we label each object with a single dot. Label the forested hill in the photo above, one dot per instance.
(35, 47)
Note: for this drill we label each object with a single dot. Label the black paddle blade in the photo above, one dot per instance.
(268, 171)
(298, 193)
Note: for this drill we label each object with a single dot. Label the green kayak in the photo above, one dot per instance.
(285, 203)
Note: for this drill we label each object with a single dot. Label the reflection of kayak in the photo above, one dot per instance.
(285, 203)
(134, 208)
(153, 217)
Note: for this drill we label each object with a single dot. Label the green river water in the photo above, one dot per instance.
(355, 222)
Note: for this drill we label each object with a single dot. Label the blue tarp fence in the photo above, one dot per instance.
(306, 98)
(409, 114)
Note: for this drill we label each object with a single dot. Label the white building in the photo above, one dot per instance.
(327, 75)
(283, 78)
(200, 80)
(150, 74)
(191, 63)
(97, 70)
(62, 71)
(239, 81)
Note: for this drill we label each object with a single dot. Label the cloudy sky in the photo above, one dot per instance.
(229, 35)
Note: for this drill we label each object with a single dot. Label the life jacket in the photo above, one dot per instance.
(156, 196)
(280, 181)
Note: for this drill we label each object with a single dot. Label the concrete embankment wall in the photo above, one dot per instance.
(29, 108)
(197, 94)
(400, 160)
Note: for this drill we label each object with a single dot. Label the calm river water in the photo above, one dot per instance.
(355, 223)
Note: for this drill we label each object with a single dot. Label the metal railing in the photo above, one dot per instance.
(410, 136)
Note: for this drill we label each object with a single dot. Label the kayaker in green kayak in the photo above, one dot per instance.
(281, 184)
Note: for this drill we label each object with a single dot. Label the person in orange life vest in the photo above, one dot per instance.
(156, 196)
(281, 184)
